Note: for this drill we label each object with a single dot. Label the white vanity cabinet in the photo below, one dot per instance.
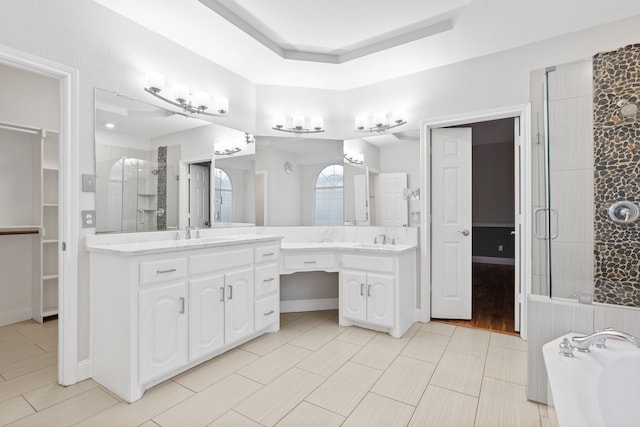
(378, 290)
(154, 315)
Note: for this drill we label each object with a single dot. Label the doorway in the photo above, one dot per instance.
(499, 268)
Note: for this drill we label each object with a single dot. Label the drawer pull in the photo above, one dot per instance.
(270, 279)
(269, 312)
(310, 262)
(221, 293)
(230, 292)
(171, 270)
(269, 254)
(181, 305)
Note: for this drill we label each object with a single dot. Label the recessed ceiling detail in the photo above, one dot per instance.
(308, 30)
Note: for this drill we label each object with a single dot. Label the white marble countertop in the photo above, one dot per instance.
(344, 246)
(160, 246)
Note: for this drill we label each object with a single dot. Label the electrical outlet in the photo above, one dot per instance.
(500, 248)
(88, 219)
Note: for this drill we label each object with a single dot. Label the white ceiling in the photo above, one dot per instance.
(376, 39)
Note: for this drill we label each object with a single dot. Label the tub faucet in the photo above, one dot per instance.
(582, 343)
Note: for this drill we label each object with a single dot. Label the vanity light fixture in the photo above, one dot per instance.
(197, 103)
(354, 158)
(227, 148)
(296, 124)
(380, 121)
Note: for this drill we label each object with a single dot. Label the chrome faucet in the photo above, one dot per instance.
(582, 343)
(187, 233)
(382, 239)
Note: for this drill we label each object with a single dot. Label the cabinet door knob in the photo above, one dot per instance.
(362, 289)
(181, 305)
(369, 290)
(230, 292)
(222, 294)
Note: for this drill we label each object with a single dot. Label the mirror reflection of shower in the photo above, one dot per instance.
(132, 195)
(223, 197)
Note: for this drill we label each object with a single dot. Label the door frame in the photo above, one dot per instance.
(523, 111)
(183, 193)
(69, 370)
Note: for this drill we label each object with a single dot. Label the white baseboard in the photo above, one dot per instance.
(308, 305)
(14, 316)
(493, 260)
(84, 369)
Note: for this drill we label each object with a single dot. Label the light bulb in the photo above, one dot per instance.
(221, 105)
(297, 122)
(361, 122)
(398, 116)
(180, 93)
(155, 81)
(317, 122)
(379, 119)
(279, 121)
(201, 100)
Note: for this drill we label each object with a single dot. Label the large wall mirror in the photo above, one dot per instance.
(155, 169)
(381, 180)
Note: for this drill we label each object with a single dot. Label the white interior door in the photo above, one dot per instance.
(393, 207)
(451, 223)
(198, 196)
(517, 152)
(361, 194)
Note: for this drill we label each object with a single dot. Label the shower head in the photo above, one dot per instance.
(627, 109)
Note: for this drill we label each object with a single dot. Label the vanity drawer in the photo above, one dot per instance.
(267, 253)
(199, 264)
(162, 271)
(267, 279)
(310, 261)
(383, 264)
(267, 311)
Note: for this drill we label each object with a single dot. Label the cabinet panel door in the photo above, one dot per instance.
(163, 330)
(353, 301)
(206, 315)
(238, 313)
(380, 299)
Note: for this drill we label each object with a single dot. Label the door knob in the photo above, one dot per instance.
(464, 232)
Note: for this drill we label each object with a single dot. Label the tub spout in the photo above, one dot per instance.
(582, 343)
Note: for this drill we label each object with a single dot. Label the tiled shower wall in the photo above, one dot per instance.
(616, 77)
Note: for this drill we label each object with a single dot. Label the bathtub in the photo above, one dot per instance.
(596, 389)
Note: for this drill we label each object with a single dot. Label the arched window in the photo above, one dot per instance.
(329, 192)
(223, 197)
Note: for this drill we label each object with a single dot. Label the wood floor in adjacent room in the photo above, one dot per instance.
(311, 373)
(493, 299)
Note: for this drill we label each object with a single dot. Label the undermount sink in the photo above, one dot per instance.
(373, 245)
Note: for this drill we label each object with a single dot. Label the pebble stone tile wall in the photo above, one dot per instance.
(162, 188)
(616, 77)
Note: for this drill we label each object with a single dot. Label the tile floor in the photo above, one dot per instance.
(311, 373)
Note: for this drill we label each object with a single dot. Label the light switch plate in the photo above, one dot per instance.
(88, 219)
(88, 183)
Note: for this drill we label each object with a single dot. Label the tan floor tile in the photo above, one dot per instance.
(233, 419)
(439, 328)
(202, 376)
(426, 346)
(508, 341)
(52, 394)
(25, 383)
(326, 315)
(154, 401)
(149, 424)
(380, 351)
(28, 365)
(469, 341)
(379, 411)
(411, 331)
(548, 416)
(315, 338)
(13, 409)
(506, 364)
(459, 372)
(266, 343)
(329, 358)
(9, 335)
(405, 380)
(274, 364)
(29, 328)
(9, 355)
(209, 404)
(505, 404)
(71, 410)
(49, 345)
(304, 323)
(342, 392)
(356, 335)
(308, 415)
(440, 407)
(275, 400)
(286, 318)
